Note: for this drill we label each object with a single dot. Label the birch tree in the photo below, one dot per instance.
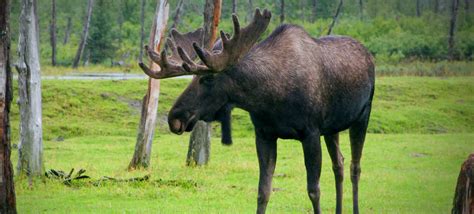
(30, 148)
(146, 130)
(67, 32)
(85, 33)
(200, 141)
(452, 28)
(52, 28)
(7, 189)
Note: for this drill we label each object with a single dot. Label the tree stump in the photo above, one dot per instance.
(464, 196)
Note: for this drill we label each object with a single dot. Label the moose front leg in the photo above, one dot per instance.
(267, 155)
(312, 160)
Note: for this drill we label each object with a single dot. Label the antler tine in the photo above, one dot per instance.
(237, 46)
(172, 46)
(155, 57)
(172, 66)
(167, 68)
(190, 66)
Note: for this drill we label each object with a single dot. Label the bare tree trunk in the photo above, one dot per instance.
(282, 11)
(30, 148)
(199, 145)
(53, 32)
(463, 202)
(250, 11)
(146, 131)
(177, 14)
(7, 188)
(200, 140)
(436, 7)
(68, 30)
(466, 7)
(336, 16)
(234, 6)
(361, 9)
(452, 28)
(142, 28)
(85, 32)
(418, 8)
(314, 10)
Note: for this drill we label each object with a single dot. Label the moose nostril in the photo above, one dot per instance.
(175, 125)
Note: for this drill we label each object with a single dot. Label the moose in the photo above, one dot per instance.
(294, 86)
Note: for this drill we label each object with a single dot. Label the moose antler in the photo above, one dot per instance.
(240, 43)
(171, 66)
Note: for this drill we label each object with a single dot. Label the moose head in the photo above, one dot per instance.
(206, 98)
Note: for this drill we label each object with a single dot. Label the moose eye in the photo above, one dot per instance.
(207, 80)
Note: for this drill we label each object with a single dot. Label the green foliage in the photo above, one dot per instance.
(390, 30)
(100, 43)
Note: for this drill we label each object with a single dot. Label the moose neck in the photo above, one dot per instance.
(253, 86)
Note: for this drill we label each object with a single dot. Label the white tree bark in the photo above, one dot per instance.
(30, 148)
(141, 156)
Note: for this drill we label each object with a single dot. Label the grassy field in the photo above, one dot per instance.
(421, 131)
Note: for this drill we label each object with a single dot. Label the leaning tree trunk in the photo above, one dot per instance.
(30, 148)
(142, 28)
(200, 140)
(85, 33)
(452, 28)
(336, 16)
(7, 189)
(146, 130)
(52, 29)
(463, 202)
(67, 33)
(314, 10)
(177, 14)
(282, 11)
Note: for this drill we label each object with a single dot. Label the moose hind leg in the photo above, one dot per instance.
(357, 137)
(267, 155)
(312, 159)
(332, 144)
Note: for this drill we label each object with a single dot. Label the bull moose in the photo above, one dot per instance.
(294, 86)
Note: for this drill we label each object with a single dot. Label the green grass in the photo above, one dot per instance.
(420, 132)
